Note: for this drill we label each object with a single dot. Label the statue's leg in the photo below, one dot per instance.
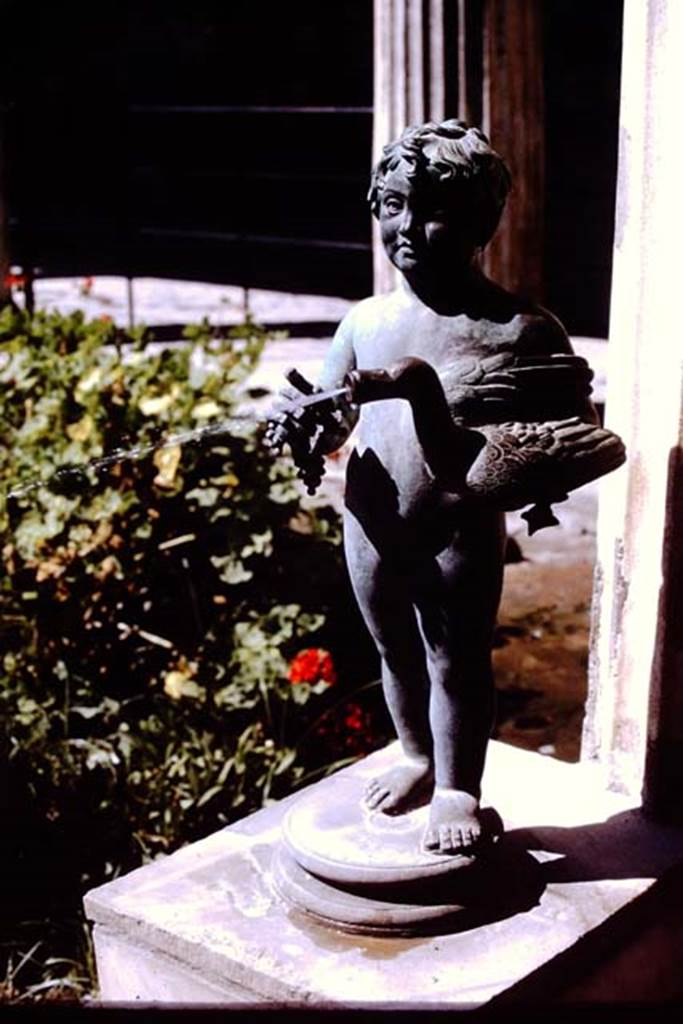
(457, 607)
(385, 602)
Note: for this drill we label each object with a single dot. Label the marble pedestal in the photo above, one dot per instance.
(206, 925)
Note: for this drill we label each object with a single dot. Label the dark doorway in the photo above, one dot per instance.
(582, 60)
(230, 142)
(226, 142)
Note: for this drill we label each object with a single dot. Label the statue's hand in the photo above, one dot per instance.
(294, 427)
(300, 430)
(310, 431)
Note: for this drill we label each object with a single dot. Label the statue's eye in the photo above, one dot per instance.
(392, 205)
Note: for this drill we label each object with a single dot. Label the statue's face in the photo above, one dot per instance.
(424, 227)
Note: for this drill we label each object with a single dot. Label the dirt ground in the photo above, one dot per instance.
(542, 657)
(543, 633)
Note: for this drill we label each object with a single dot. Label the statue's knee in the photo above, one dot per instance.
(401, 659)
(462, 678)
(392, 661)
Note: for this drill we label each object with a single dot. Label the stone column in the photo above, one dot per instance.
(470, 15)
(409, 85)
(634, 717)
(513, 118)
(489, 53)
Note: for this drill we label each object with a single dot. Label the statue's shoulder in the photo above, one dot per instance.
(374, 308)
(516, 322)
(367, 315)
(539, 332)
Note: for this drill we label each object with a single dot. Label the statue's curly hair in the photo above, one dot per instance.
(454, 154)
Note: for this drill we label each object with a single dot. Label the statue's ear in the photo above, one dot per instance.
(374, 193)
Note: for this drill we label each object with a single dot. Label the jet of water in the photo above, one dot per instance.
(199, 435)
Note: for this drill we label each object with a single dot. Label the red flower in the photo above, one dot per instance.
(105, 318)
(347, 729)
(312, 665)
(15, 280)
(355, 719)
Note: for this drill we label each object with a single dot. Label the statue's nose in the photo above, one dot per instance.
(407, 223)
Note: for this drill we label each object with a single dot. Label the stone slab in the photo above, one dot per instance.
(211, 908)
(140, 974)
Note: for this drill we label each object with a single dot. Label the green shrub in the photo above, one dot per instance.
(150, 607)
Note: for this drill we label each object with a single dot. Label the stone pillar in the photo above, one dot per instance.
(513, 118)
(470, 60)
(409, 85)
(488, 53)
(634, 717)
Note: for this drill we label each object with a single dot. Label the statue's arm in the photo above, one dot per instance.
(314, 431)
(340, 360)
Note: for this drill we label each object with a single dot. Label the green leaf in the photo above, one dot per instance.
(209, 795)
(87, 577)
(206, 497)
(301, 693)
(232, 570)
(260, 544)
(285, 761)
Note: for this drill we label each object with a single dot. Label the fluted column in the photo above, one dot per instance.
(481, 60)
(634, 718)
(513, 118)
(409, 85)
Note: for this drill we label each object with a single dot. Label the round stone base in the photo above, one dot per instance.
(330, 834)
(359, 913)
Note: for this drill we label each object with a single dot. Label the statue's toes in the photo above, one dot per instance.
(469, 837)
(475, 835)
(431, 839)
(369, 793)
(393, 804)
(448, 839)
(375, 800)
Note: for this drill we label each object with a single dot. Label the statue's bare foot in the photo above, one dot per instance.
(454, 825)
(407, 785)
